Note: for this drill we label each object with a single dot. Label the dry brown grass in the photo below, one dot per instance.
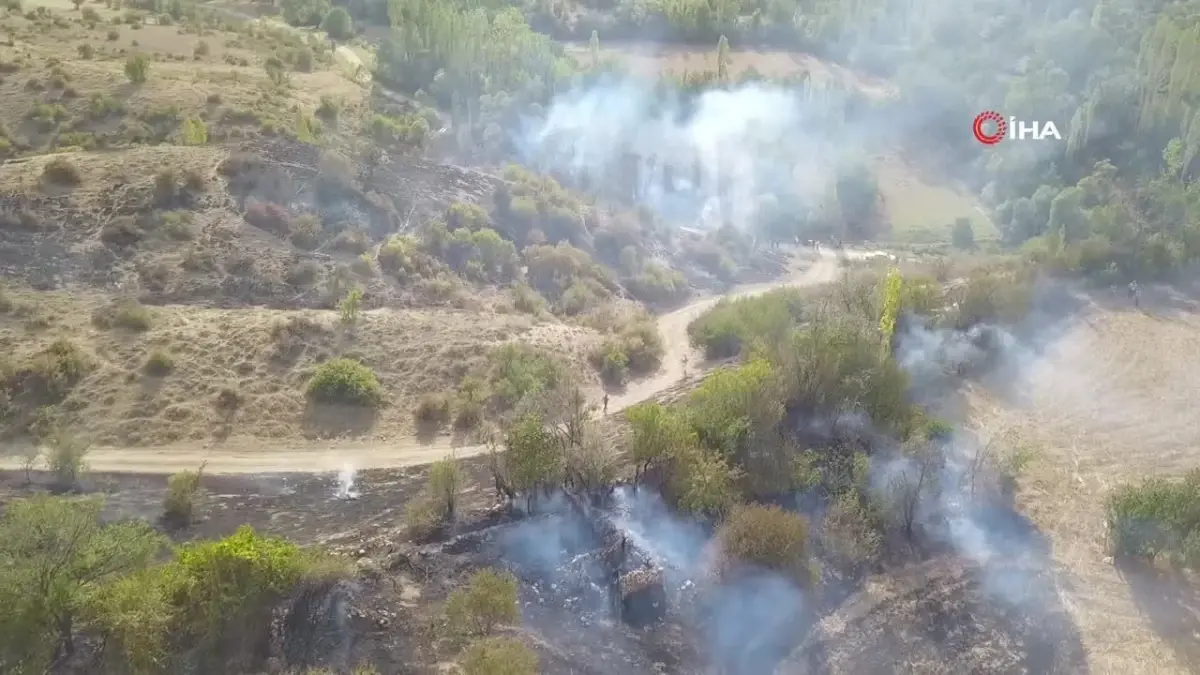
(224, 85)
(243, 372)
(1112, 401)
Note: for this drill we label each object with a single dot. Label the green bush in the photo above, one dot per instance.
(767, 537)
(638, 349)
(499, 656)
(345, 381)
(520, 372)
(731, 326)
(1157, 517)
(489, 599)
(179, 504)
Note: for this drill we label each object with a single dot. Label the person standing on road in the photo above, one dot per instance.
(606, 404)
(1135, 294)
(685, 362)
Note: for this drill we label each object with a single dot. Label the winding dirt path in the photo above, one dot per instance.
(249, 455)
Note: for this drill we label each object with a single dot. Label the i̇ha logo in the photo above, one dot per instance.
(990, 128)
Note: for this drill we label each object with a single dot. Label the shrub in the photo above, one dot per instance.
(433, 411)
(201, 49)
(86, 51)
(179, 504)
(329, 108)
(50, 373)
(270, 217)
(137, 68)
(637, 349)
(192, 131)
(61, 171)
(112, 35)
(732, 325)
(159, 363)
(128, 314)
(445, 481)
(65, 459)
(345, 381)
(489, 599)
(519, 372)
(350, 306)
(468, 215)
(767, 537)
(499, 656)
(1157, 517)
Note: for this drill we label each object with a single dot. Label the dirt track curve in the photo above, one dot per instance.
(248, 455)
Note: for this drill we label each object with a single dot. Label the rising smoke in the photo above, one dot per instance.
(737, 155)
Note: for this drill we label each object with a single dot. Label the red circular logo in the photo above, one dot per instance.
(983, 136)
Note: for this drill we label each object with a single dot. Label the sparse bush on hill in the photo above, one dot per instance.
(488, 600)
(159, 363)
(345, 381)
(137, 68)
(128, 314)
(270, 217)
(499, 656)
(48, 375)
(1157, 518)
(433, 411)
(61, 171)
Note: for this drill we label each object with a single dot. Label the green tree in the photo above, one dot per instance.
(534, 462)
(767, 537)
(338, 24)
(55, 554)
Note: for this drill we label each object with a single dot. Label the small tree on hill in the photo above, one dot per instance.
(338, 24)
(137, 68)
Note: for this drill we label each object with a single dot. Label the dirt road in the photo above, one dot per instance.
(248, 455)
